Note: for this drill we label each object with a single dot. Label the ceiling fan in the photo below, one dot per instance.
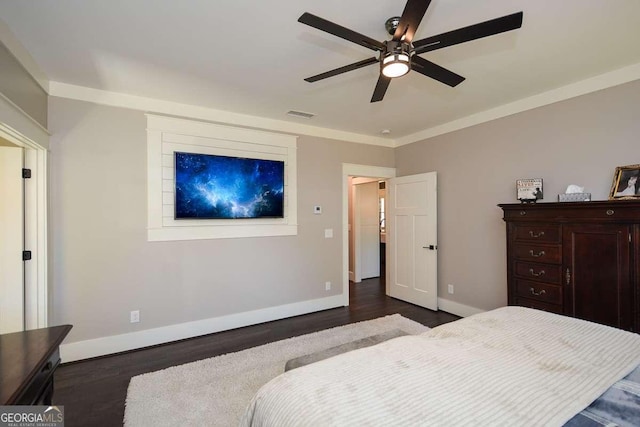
(400, 54)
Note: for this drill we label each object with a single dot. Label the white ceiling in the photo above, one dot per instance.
(250, 56)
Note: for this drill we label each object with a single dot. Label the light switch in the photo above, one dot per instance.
(328, 233)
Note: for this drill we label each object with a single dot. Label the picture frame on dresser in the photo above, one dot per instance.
(529, 190)
(626, 183)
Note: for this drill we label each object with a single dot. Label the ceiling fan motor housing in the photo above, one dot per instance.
(396, 58)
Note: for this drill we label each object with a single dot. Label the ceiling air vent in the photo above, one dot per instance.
(301, 114)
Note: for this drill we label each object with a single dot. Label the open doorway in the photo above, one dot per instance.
(366, 228)
(374, 174)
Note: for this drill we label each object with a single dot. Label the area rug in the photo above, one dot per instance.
(216, 391)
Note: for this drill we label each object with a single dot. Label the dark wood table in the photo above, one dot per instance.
(27, 362)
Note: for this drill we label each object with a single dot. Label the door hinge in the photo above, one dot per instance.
(26, 173)
(26, 255)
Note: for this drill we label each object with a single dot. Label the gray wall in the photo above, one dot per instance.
(577, 141)
(22, 89)
(103, 266)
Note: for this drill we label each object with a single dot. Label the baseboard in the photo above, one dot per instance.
(117, 343)
(457, 308)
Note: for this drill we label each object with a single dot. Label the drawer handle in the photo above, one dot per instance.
(538, 255)
(533, 273)
(610, 212)
(538, 294)
(536, 235)
(523, 213)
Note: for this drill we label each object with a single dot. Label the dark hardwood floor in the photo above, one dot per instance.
(93, 392)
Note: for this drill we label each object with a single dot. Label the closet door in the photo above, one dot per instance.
(597, 270)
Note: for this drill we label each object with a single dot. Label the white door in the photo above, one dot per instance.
(367, 237)
(11, 240)
(412, 243)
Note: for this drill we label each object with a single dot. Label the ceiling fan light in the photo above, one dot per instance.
(395, 65)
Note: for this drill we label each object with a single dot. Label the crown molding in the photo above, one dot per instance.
(593, 84)
(115, 99)
(152, 105)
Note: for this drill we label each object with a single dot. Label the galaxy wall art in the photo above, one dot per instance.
(220, 187)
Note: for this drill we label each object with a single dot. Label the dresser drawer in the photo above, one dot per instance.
(538, 233)
(571, 213)
(530, 303)
(540, 272)
(41, 382)
(543, 292)
(538, 253)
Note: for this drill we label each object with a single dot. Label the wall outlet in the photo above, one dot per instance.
(327, 286)
(450, 289)
(134, 316)
(328, 233)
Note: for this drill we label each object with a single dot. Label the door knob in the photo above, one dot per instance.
(430, 247)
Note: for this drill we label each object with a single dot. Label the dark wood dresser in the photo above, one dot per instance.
(578, 259)
(28, 361)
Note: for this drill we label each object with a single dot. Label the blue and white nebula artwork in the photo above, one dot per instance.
(209, 186)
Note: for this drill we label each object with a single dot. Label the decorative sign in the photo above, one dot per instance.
(529, 190)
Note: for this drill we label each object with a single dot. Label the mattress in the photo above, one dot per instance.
(510, 366)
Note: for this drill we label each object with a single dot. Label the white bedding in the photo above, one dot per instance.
(512, 366)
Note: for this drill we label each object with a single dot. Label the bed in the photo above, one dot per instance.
(511, 366)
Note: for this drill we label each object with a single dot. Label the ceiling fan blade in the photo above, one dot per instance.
(413, 12)
(381, 88)
(344, 69)
(340, 31)
(435, 71)
(472, 32)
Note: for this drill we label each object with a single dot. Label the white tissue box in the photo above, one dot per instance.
(574, 197)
